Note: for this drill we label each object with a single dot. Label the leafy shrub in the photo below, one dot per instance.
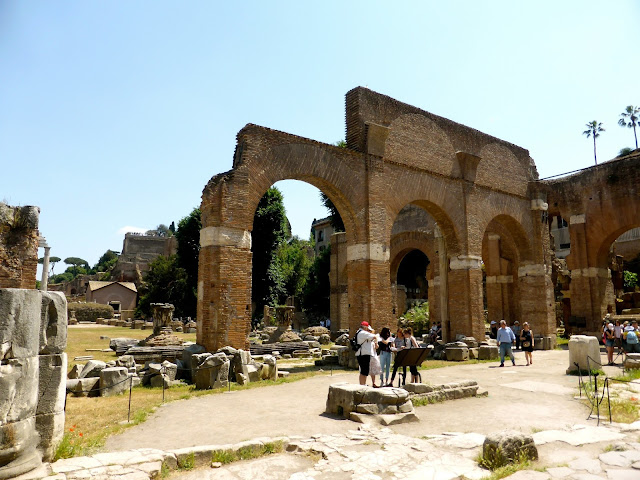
(417, 318)
(89, 312)
(630, 279)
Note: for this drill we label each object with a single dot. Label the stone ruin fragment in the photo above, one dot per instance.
(33, 336)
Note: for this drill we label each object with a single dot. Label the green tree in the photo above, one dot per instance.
(294, 261)
(317, 289)
(629, 118)
(52, 262)
(334, 215)
(270, 228)
(624, 151)
(593, 130)
(106, 261)
(188, 237)
(76, 262)
(165, 282)
(160, 231)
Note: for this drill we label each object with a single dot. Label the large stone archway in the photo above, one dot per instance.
(600, 203)
(396, 155)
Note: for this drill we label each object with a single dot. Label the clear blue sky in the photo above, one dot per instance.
(115, 114)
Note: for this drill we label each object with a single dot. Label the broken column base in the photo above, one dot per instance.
(363, 404)
(27, 462)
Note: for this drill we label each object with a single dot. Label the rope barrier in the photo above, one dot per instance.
(593, 400)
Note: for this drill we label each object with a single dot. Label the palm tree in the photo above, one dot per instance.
(593, 130)
(632, 114)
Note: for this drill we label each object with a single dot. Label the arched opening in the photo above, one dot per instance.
(295, 239)
(505, 248)
(414, 261)
(411, 280)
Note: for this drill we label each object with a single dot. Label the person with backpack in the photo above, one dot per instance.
(364, 339)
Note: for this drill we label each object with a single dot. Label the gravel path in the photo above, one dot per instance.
(539, 396)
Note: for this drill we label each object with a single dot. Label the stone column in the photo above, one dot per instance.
(224, 288)
(441, 283)
(369, 289)
(465, 297)
(45, 269)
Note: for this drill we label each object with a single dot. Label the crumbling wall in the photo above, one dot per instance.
(18, 246)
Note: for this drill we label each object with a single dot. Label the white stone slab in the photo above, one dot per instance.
(577, 437)
(537, 387)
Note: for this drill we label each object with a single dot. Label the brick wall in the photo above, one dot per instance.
(18, 246)
(399, 158)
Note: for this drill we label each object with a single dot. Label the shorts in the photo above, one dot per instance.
(609, 342)
(363, 363)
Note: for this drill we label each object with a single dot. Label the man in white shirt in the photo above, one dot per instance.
(364, 339)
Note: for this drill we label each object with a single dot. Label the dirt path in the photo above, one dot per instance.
(534, 397)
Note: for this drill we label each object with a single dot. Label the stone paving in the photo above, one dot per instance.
(373, 453)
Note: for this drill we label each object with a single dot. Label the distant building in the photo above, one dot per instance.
(122, 296)
(138, 251)
(321, 231)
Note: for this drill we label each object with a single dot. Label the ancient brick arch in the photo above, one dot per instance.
(600, 203)
(396, 155)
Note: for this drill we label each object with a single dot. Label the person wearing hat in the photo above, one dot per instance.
(365, 339)
(609, 341)
(515, 328)
(494, 330)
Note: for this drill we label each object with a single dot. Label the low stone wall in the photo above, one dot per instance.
(441, 393)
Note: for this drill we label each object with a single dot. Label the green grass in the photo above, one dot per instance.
(247, 453)
(499, 465)
(628, 376)
(622, 410)
(187, 463)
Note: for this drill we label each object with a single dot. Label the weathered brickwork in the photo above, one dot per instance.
(18, 246)
(470, 184)
(600, 203)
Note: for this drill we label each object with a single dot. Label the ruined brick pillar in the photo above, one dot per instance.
(224, 288)
(535, 287)
(465, 297)
(591, 289)
(368, 289)
(339, 299)
(494, 284)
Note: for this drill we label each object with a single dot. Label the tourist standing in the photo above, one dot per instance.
(526, 340)
(374, 364)
(364, 339)
(633, 345)
(617, 331)
(609, 341)
(505, 339)
(410, 342)
(385, 340)
(516, 329)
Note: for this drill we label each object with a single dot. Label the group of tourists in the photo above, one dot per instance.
(625, 336)
(375, 351)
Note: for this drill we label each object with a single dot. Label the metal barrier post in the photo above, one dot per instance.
(130, 387)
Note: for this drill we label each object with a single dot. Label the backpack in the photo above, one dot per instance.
(353, 341)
